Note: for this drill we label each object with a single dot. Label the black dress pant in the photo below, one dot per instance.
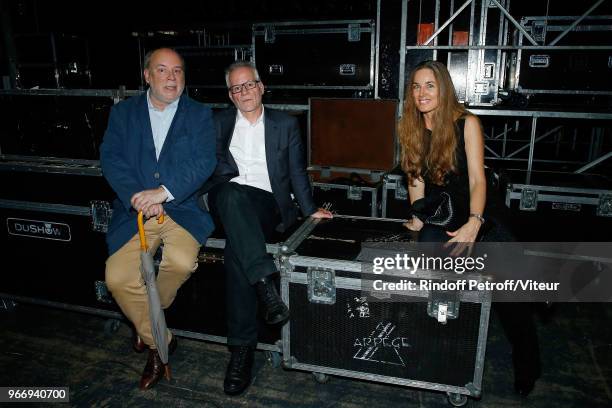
(249, 216)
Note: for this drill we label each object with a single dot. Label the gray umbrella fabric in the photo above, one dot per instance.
(159, 328)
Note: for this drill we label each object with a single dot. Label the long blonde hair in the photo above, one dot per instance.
(439, 158)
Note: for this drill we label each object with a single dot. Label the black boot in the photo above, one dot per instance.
(275, 310)
(526, 370)
(238, 373)
(517, 321)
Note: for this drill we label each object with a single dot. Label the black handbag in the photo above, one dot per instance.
(435, 209)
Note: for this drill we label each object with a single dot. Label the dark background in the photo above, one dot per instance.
(111, 28)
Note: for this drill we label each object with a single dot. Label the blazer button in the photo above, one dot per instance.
(156, 175)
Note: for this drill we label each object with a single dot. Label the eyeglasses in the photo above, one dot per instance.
(248, 85)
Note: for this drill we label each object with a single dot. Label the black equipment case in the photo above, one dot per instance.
(335, 54)
(579, 68)
(586, 193)
(55, 215)
(338, 328)
(198, 311)
(52, 60)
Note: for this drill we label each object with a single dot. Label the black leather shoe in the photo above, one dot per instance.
(238, 373)
(274, 309)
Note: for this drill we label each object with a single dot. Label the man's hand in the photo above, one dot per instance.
(155, 210)
(322, 213)
(143, 200)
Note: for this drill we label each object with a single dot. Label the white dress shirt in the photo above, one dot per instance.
(160, 124)
(248, 148)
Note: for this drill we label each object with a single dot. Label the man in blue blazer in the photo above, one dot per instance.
(158, 149)
(260, 164)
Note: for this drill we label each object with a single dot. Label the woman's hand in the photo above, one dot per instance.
(414, 224)
(464, 237)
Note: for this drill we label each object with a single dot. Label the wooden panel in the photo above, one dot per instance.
(354, 133)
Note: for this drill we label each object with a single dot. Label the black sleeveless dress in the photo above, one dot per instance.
(456, 187)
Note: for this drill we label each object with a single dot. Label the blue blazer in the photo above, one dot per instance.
(284, 158)
(187, 159)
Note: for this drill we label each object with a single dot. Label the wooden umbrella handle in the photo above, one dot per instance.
(141, 233)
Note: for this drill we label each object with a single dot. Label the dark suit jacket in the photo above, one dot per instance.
(284, 157)
(187, 159)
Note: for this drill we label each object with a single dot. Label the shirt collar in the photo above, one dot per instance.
(240, 119)
(170, 106)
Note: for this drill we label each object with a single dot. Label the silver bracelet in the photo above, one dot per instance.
(478, 217)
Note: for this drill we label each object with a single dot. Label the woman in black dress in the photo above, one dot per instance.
(443, 157)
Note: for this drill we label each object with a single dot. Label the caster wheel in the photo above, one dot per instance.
(320, 378)
(457, 400)
(7, 305)
(273, 358)
(111, 326)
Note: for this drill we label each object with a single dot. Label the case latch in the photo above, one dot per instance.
(100, 215)
(443, 306)
(354, 32)
(102, 293)
(401, 193)
(354, 193)
(539, 61)
(488, 71)
(481, 87)
(604, 209)
(538, 30)
(321, 285)
(269, 35)
(529, 200)
(276, 69)
(348, 69)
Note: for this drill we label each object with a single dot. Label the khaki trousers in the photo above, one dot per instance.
(124, 280)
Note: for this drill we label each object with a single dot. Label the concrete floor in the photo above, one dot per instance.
(50, 347)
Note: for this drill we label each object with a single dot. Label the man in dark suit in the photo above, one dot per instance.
(260, 164)
(157, 151)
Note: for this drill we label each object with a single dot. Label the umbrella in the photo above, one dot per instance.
(159, 328)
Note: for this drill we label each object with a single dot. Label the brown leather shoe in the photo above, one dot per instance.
(138, 345)
(154, 370)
